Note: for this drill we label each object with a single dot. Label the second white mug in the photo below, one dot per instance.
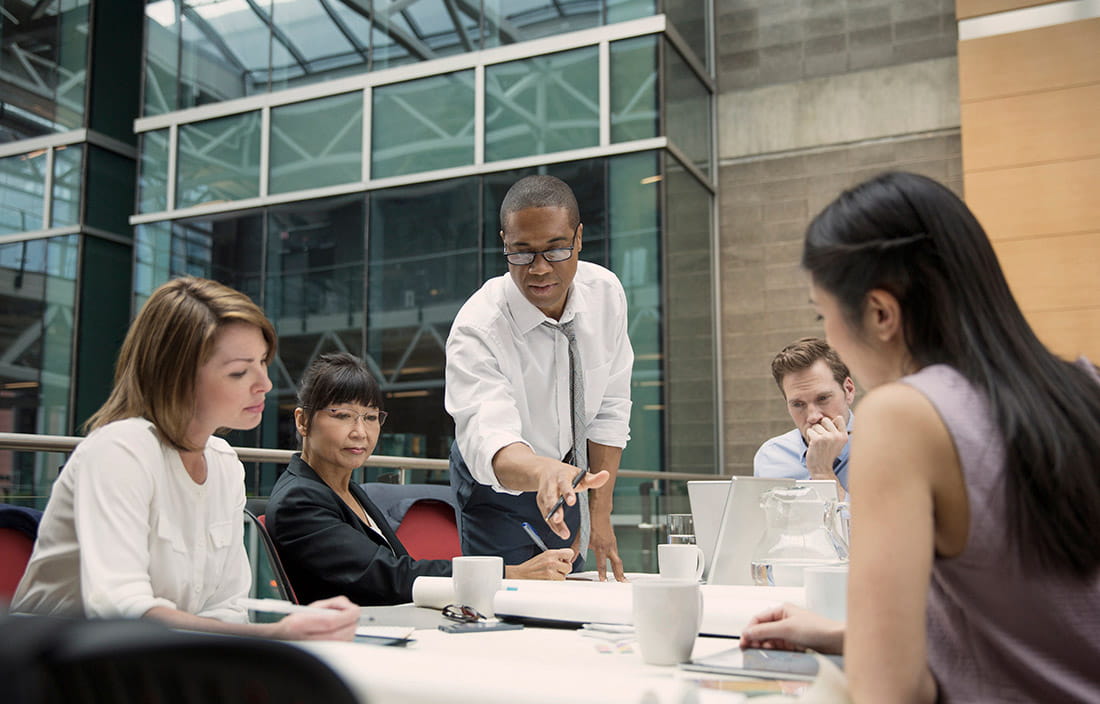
(680, 561)
(477, 579)
(667, 614)
(827, 591)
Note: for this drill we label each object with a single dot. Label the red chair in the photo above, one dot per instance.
(18, 530)
(429, 531)
(15, 553)
(423, 516)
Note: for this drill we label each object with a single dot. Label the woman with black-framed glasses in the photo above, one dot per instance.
(331, 537)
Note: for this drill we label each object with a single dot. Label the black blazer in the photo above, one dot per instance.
(328, 551)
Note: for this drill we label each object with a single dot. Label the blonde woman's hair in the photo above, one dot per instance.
(170, 339)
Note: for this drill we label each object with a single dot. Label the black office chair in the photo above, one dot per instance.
(47, 660)
(271, 580)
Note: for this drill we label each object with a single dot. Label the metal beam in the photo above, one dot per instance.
(214, 38)
(279, 34)
(361, 49)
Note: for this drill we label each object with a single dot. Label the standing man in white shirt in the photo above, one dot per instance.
(523, 410)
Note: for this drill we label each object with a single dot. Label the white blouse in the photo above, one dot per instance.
(127, 529)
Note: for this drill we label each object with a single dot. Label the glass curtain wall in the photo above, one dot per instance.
(382, 275)
(37, 294)
(201, 51)
(43, 67)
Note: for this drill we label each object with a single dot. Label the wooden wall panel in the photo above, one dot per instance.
(1022, 62)
(1049, 273)
(975, 8)
(1044, 199)
(1032, 128)
(1030, 112)
(1069, 333)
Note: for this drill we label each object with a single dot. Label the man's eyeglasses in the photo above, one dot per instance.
(349, 417)
(462, 614)
(558, 254)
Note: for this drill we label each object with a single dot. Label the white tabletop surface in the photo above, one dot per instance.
(531, 665)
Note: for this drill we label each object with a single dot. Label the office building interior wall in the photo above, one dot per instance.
(813, 97)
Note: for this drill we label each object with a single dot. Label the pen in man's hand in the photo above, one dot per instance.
(534, 536)
(561, 499)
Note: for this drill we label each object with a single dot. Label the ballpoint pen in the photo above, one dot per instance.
(534, 536)
(561, 499)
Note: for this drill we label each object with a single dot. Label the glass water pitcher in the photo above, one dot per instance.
(800, 530)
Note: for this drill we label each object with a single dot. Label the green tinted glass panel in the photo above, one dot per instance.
(422, 266)
(43, 67)
(542, 105)
(509, 21)
(66, 185)
(423, 125)
(622, 10)
(71, 73)
(153, 177)
(634, 89)
(687, 106)
(219, 160)
(313, 292)
(152, 259)
(692, 381)
(316, 40)
(633, 202)
(22, 182)
(162, 38)
(691, 18)
(225, 50)
(315, 144)
(25, 476)
(37, 294)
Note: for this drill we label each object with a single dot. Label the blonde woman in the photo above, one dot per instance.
(145, 520)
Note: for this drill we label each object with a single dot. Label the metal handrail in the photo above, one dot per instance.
(67, 443)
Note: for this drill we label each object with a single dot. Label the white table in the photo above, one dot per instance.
(535, 665)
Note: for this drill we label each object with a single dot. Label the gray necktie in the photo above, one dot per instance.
(579, 427)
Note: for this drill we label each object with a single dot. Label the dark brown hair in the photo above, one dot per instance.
(803, 354)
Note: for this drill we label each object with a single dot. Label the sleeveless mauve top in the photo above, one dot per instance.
(998, 632)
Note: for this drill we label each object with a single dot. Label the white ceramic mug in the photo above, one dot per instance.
(680, 561)
(827, 591)
(667, 615)
(477, 579)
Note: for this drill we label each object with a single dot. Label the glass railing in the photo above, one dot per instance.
(643, 499)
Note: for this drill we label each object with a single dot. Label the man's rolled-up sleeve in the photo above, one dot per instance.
(611, 426)
(480, 399)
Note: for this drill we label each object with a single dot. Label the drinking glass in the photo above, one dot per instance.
(681, 529)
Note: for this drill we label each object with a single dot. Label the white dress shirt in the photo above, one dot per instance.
(127, 529)
(508, 375)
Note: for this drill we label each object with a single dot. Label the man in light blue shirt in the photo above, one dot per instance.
(819, 392)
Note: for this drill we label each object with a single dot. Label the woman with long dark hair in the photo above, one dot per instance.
(974, 481)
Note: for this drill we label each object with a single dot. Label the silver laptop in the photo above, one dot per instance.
(708, 500)
(742, 525)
